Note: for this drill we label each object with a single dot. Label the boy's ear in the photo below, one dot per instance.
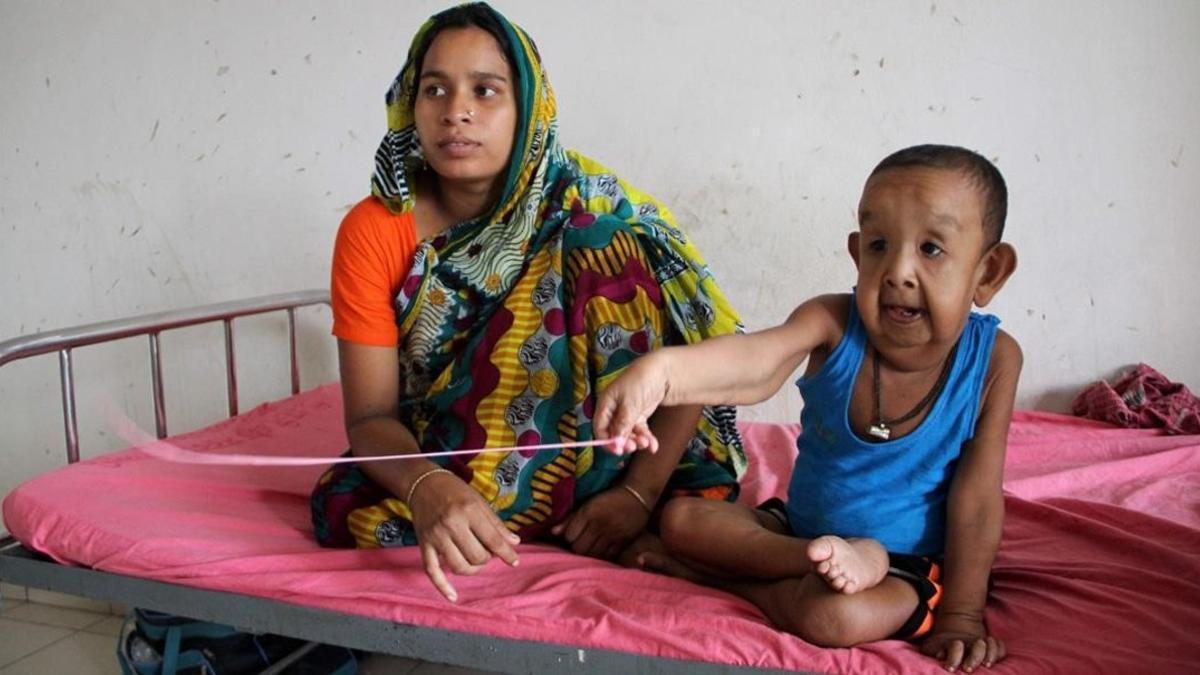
(852, 246)
(994, 269)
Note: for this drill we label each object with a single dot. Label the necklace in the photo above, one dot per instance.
(882, 429)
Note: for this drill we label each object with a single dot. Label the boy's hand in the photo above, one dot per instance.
(625, 405)
(962, 641)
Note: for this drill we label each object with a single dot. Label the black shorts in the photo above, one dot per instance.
(925, 576)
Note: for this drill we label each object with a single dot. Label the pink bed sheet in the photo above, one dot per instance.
(1099, 570)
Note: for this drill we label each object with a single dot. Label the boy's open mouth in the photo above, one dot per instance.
(902, 314)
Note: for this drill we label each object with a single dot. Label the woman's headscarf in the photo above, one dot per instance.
(513, 321)
(399, 155)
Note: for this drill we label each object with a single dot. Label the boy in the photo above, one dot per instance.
(894, 509)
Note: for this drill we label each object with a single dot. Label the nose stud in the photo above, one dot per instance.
(470, 113)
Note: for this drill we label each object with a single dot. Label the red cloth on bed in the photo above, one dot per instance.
(1144, 398)
(1098, 570)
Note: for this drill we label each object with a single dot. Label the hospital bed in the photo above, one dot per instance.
(1099, 569)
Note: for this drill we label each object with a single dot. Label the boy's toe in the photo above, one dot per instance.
(820, 549)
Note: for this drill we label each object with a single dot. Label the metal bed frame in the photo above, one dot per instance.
(23, 567)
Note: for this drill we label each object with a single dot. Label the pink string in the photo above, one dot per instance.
(165, 450)
(173, 453)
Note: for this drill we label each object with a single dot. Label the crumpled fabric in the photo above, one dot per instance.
(1142, 398)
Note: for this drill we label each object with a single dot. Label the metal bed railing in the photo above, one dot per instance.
(152, 325)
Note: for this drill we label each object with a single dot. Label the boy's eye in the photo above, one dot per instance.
(931, 249)
(877, 245)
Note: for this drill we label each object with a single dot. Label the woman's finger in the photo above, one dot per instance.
(473, 551)
(613, 551)
(603, 417)
(586, 542)
(624, 421)
(574, 527)
(499, 541)
(629, 445)
(600, 546)
(558, 529)
(434, 571)
(620, 445)
(453, 558)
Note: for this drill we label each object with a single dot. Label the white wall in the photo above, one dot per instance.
(158, 155)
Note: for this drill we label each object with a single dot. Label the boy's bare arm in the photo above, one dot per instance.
(730, 369)
(747, 369)
(975, 516)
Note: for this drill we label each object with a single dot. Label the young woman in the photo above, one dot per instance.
(483, 294)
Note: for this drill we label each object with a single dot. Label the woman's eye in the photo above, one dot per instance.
(435, 90)
(931, 249)
(485, 92)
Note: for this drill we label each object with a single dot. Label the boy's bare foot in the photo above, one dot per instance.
(848, 565)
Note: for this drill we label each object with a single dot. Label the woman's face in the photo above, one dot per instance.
(465, 108)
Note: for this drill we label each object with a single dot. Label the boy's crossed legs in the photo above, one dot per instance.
(830, 591)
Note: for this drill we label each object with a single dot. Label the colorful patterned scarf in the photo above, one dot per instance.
(511, 323)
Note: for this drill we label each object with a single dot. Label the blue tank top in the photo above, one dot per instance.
(894, 491)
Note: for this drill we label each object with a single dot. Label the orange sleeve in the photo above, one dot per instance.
(371, 258)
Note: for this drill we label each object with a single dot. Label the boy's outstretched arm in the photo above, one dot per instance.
(975, 516)
(732, 369)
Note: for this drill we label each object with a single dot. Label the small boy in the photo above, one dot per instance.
(894, 509)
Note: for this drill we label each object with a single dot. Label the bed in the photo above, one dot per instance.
(1099, 569)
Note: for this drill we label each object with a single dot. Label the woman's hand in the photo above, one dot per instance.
(962, 641)
(605, 525)
(455, 526)
(625, 405)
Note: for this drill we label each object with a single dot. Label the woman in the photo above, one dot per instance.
(483, 293)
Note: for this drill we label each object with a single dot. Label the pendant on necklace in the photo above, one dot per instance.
(880, 431)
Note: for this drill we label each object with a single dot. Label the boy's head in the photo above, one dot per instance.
(984, 175)
(928, 245)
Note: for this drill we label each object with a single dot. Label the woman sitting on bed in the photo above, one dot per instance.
(484, 293)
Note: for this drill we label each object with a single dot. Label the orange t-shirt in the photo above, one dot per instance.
(371, 258)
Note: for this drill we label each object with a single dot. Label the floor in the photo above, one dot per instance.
(44, 633)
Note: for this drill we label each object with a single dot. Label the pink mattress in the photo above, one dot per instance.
(1099, 569)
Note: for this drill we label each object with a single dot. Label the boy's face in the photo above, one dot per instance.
(920, 257)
